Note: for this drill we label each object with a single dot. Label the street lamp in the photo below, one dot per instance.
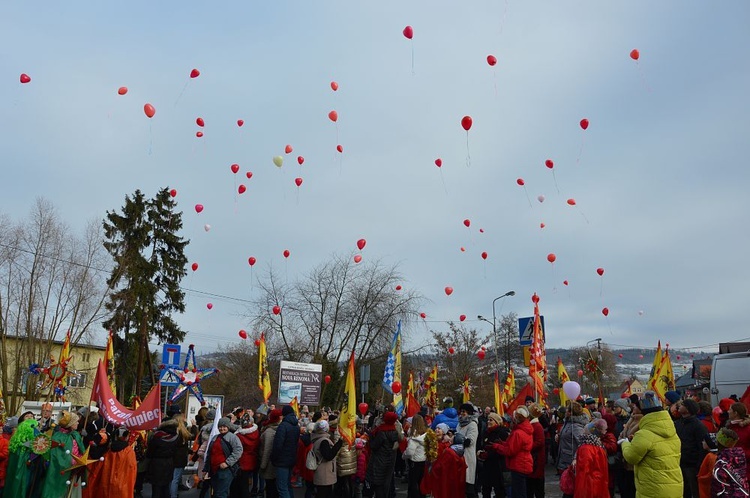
(494, 327)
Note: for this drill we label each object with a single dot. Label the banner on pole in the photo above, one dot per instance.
(146, 416)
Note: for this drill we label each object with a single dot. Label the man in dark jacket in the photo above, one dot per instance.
(284, 452)
(691, 432)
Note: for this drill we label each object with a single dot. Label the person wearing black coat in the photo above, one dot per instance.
(383, 444)
(284, 452)
(691, 432)
(161, 452)
(493, 463)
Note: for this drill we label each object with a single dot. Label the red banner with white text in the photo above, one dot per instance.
(146, 416)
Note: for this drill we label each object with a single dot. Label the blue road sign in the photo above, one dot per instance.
(526, 329)
(170, 355)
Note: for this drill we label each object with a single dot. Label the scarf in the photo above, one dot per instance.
(590, 439)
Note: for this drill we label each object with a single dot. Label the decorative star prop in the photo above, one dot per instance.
(81, 461)
(190, 377)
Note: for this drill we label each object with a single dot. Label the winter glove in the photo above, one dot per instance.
(467, 443)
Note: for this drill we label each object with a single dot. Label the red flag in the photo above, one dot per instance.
(146, 416)
(520, 400)
(414, 407)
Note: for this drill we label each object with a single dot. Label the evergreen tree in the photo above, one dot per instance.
(149, 262)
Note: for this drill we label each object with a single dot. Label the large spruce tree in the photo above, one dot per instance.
(149, 262)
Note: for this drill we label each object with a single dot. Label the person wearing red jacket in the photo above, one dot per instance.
(517, 452)
(249, 436)
(739, 422)
(590, 463)
(448, 473)
(535, 481)
(610, 445)
(8, 430)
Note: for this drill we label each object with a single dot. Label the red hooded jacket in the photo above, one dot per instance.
(517, 449)
(250, 439)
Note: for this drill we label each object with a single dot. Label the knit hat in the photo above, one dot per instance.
(390, 417)
(598, 427)
(622, 403)
(710, 440)
(535, 410)
(691, 406)
(726, 437)
(590, 401)
(521, 412)
(274, 416)
(67, 419)
(458, 438)
(286, 410)
(321, 426)
(447, 402)
(496, 417)
(10, 424)
(650, 403)
(634, 398)
(211, 414)
(443, 427)
(673, 397)
(725, 404)
(467, 407)
(224, 422)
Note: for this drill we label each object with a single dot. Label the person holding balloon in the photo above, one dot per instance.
(573, 426)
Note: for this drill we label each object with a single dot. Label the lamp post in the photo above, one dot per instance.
(494, 327)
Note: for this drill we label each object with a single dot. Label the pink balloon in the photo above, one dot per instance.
(448, 291)
(409, 32)
(357, 258)
(209, 305)
(199, 208)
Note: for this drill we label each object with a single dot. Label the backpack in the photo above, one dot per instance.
(311, 461)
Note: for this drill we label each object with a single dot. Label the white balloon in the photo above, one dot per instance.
(640, 313)
(207, 227)
(540, 198)
(571, 389)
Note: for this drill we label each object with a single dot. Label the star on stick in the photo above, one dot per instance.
(81, 461)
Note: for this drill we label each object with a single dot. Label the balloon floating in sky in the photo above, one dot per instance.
(249, 174)
(278, 161)
(451, 350)
(298, 181)
(207, 227)
(467, 122)
(200, 122)
(398, 287)
(334, 86)
(565, 282)
(549, 163)
(243, 334)
(235, 168)
(520, 182)
(25, 78)
(173, 193)
(484, 255)
(635, 54)
(571, 202)
(300, 160)
(333, 116)
(542, 225)
(276, 309)
(288, 149)
(361, 243)
(122, 90)
(251, 260)
(481, 354)
(584, 123)
(605, 311)
(195, 73)
(240, 122)
(149, 110)
(198, 208)
(199, 134)
(467, 223)
(551, 257)
(357, 258)
(209, 306)
(491, 60)
(540, 198)
(438, 162)
(194, 266)
(286, 253)
(462, 318)
(340, 148)
(241, 189)
(423, 315)
(600, 271)
(535, 298)
(448, 291)
(409, 32)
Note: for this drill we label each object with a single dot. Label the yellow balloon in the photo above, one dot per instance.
(278, 161)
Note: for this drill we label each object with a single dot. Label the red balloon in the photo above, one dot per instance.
(209, 305)
(363, 408)
(235, 168)
(396, 387)
(276, 309)
(243, 334)
(257, 342)
(549, 163)
(200, 122)
(195, 73)
(327, 378)
(357, 258)
(25, 78)
(580, 373)
(571, 202)
(122, 90)
(619, 355)
(467, 223)
(298, 181)
(535, 298)
(640, 356)
(565, 282)
(635, 54)
(194, 266)
(484, 348)
(466, 122)
(249, 174)
(678, 357)
(361, 243)
(340, 148)
(451, 350)
(481, 230)
(484, 255)
(584, 123)
(334, 86)
(551, 257)
(448, 291)
(198, 208)
(605, 311)
(398, 287)
(288, 149)
(240, 122)
(491, 60)
(462, 318)
(481, 354)
(409, 32)
(251, 260)
(541, 225)
(423, 315)
(600, 271)
(173, 193)
(521, 182)
(149, 110)
(300, 160)
(556, 391)
(241, 189)
(333, 116)
(286, 253)
(438, 162)
(199, 134)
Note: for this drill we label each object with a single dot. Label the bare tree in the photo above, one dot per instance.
(509, 351)
(457, 353)
(598, 368)
(50, 282)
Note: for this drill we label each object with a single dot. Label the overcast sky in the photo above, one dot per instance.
(660, 176)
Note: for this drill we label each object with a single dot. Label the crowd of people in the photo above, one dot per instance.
(636, 446)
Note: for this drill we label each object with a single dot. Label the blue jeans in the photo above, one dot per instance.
(220, 483)
(283, 482)
(174, 485)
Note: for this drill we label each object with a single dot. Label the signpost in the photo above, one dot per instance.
(302, 380)
(526, 329)
(170, 358)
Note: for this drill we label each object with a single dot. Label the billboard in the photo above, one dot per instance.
(302, 380)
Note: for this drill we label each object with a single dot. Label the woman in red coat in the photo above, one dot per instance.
(250, 438)
(517, 452)
(448, 473)
(590, 463)
(535, 481)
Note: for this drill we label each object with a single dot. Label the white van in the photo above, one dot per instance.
(730, 374)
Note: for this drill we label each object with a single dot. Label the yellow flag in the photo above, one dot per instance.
(109, 359)
(295, 406)
(563, 377)
(264, 379)
(467, 394)
(499, 408)
(431, 388)
(348, 415)
(509, 390)
(654, 369)
(65, 358)
(664, 378)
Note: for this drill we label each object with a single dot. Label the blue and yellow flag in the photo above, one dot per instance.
(392, 373)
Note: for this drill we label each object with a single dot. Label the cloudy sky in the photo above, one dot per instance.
(660, 176)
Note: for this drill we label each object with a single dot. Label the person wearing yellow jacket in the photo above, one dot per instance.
(654, 452)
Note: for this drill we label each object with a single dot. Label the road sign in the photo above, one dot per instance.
(170, 355)
(526, 329)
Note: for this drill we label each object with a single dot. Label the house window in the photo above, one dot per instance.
(86, 357)
(77, 380)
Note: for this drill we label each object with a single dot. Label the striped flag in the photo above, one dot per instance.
(392, 371)
(509, 389)
(431, 387)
